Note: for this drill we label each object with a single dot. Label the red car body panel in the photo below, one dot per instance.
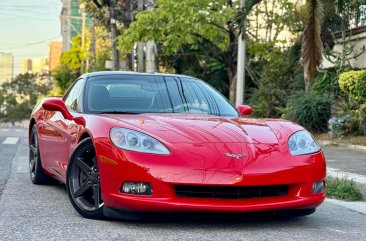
(198, 144)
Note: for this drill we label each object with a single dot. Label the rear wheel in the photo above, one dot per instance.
(37, 174)
(83, 181)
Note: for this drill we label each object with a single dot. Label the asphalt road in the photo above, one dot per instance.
(346, 160)
(30, 212)
(8, 151)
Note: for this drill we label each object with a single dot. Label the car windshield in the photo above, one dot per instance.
(154, 94)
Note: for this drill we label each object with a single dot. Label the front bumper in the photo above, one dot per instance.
(293, 200)
(165, 172)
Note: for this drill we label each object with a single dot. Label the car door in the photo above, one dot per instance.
(59, 133)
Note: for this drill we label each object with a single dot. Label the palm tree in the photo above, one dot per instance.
(311, 41)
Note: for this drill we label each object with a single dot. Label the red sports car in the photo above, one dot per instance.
(129, 142)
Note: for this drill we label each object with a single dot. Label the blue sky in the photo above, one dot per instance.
(26, 27)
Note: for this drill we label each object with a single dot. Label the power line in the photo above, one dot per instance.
(30, 44)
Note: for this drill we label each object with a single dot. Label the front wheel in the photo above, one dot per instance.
(83, 181)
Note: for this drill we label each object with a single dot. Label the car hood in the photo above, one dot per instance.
(189, 128)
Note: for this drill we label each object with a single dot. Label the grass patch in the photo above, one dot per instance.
(341, 188)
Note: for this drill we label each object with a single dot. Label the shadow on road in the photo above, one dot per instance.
(200, 219)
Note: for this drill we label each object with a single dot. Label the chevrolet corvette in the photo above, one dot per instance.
(126, 143)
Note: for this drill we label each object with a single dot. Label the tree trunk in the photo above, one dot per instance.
(232, 87)
(308, 84)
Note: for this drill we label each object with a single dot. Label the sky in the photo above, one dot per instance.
(27, 26)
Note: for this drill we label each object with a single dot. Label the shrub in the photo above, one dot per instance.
(361, 112)
(266, 100)
(353, 83)
(279, 76)
(342, 188)
(309, 110)
(326, 83)
(353, 114)
(351, 121)
(344, 125)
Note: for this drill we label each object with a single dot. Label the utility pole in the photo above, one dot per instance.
(113, 25)
(85, 65)
(240, 76)
(93, 45)
(140, 45)
(151, 56)
(151, 51)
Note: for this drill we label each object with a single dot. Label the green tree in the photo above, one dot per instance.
(21, 94)
(98, 9)
(123, 12)
(103, 48)
(200, 24)
(195, 63)
(77, 60)
(209, 28)
(63, 76)
(270, 19)
(72, 63)
(2, 103)
(279, 74)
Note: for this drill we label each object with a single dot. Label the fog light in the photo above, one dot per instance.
(136, 188)
(318, 187)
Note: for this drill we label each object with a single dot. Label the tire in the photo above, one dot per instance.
(83, 181)
(36, 172)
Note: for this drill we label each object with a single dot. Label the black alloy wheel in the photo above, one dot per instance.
(83, 181)
(37, 174)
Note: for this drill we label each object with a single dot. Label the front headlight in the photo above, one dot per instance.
(302, 143)
(136, 141)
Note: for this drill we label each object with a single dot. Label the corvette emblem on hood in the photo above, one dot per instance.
(237, 156)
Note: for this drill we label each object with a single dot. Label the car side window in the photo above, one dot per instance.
(73, 100)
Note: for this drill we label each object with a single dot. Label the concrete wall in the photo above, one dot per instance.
(356, 38)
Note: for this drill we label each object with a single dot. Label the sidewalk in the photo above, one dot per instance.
(347, 163)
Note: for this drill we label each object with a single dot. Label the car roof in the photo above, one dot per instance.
(106, 73)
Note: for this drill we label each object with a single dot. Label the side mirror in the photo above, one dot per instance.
(56, 104)
(244, 109)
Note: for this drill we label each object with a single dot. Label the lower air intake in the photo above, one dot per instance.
(231, 192)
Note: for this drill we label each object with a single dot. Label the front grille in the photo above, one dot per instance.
(231, 192)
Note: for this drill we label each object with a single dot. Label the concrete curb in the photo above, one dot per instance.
(359, 180)
(359, 207)
(334, 143)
